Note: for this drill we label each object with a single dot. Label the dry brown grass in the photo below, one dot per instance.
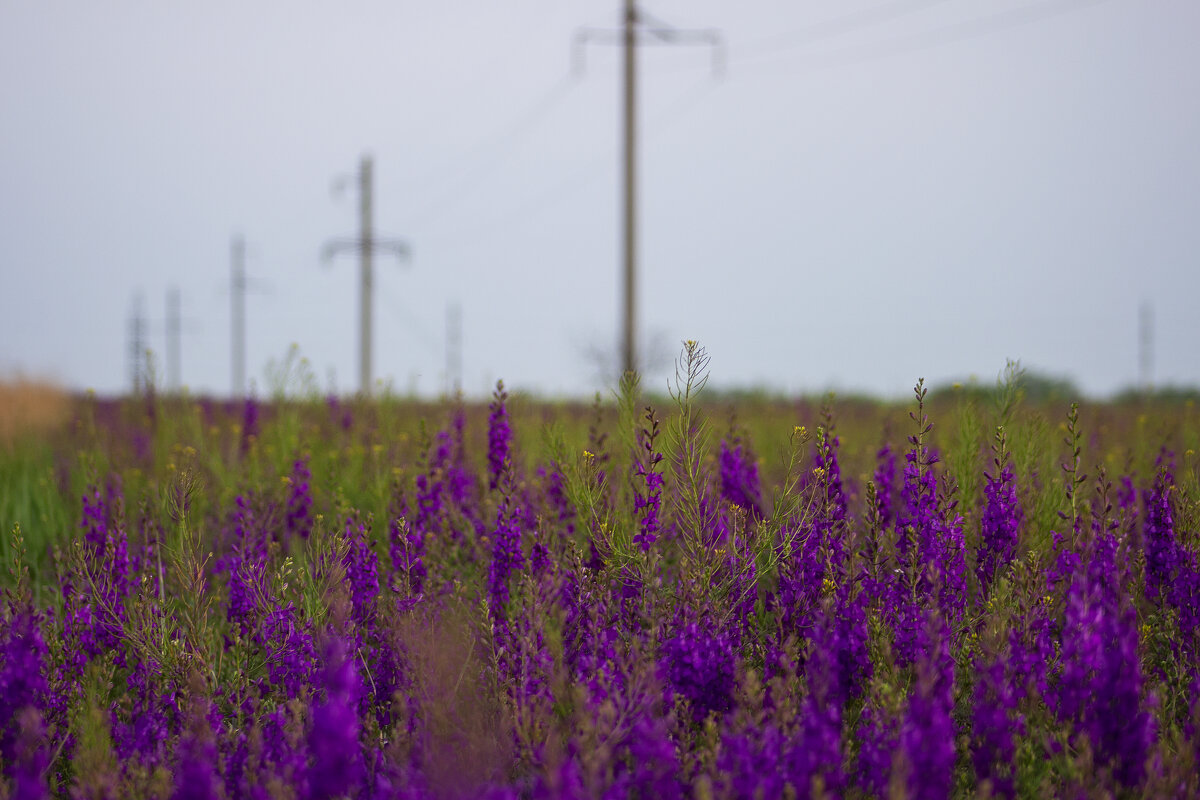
(30, 408)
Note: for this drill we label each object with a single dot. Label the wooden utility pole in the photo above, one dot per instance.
(629, 46)
(656, 33)
(237, 302)
(173, 334)
(365, 244)
(453, 349)
(1146, 347)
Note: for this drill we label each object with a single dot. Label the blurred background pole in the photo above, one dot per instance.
(174, 382)
(237, 295)
(628, 347)
(365, 237)
(453, 349)
(1146, 347)
(365, 244)
(137, 347)
(654, 32)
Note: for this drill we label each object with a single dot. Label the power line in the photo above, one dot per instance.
(487, 155)
(584, 172)
(964, 30)
(829, 29)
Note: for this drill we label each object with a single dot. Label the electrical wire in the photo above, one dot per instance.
(584, 172)
(406, 317)
(973, 28)
(489, 154)
(961, 31)
(830, 29)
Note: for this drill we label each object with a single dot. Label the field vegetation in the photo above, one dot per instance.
(973, 594)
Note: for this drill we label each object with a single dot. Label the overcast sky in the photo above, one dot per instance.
(875, 191)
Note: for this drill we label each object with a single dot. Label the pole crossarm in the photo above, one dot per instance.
(349, 244)
(645, 34)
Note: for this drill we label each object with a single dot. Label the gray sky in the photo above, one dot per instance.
(877, 190)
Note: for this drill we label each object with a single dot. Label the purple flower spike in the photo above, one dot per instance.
(298, 516)
(700, 666)
(1001, 518)
(499, 435)
(927, 734)
(336, 756)
(739, 478)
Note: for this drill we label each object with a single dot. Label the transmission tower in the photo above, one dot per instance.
(365, 244)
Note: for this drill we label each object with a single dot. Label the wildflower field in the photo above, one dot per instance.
(660, 595)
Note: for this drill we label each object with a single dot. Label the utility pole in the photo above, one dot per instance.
(1146, 347)
(239, 284)
(173, 349)
(366, 244)
(655, 32)
(237, 297)
(137, 347)
(453, 349)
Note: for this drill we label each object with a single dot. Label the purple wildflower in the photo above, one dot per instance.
(751, 763)
(884, 480)
(249, 424)
(998, 535)
(995, 723)
(23, 683)
(927, 733)
(1101, 684)
(739, 478)
(507, 557)
(336, 768)
(878, 736)
(362, 572)
(699, 665)
(196, 768)
(26, 765)
(1159, 537)
(407, 550)
(298, 512)
(651, 761)
(499, 436)
(142, 728)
